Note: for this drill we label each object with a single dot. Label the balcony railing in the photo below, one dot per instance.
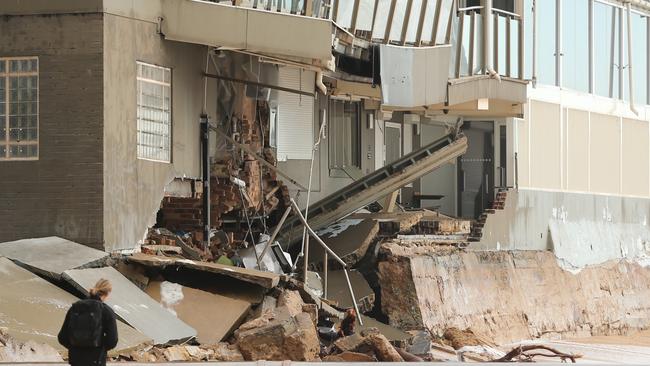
(469, 43)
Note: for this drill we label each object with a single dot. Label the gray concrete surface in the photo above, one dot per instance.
(51, 256)
(33, 309)
(133, 305)
(581, 229)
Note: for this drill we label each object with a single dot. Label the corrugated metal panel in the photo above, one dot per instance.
(295, 115)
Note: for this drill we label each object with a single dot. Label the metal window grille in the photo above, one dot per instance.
(154, 112)
(19, 108)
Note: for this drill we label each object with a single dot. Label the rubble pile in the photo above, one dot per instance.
(12, 350)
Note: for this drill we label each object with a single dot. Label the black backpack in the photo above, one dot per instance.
(86, 326)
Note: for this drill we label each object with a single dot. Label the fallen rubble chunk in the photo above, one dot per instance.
(264, 279)
(350, 357)
(369, 341)
(292, 300)
(197, 309)
(279, 336)
(337, 290)
(133, 305)
(176, 354)
(51, 256)
(226, 352)
(461, 338)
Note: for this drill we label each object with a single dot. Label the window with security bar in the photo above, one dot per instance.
(19, 108)
(154, 112)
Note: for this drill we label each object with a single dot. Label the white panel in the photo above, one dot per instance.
(344, 16)
(408, 80)
(605, 154)
(383, 8)
(545, 145)
(577, 159)
(295, 115)
(635, 157)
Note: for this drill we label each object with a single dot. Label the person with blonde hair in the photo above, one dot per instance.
(89, 330)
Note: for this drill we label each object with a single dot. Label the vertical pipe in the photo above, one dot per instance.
(592, 76)
(205, 162)
(629, 57)
(621, 56)
(558, 42)
(521, 47)
(488, 36)
(612, 53)
(470, 57)
(534, 60)
(508, 48)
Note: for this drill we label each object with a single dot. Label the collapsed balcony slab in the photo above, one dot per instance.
(33, 309)
(337, 290)
(51, 256)
(264, 279)
(133, 305)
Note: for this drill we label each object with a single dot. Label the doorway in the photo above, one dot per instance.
(476, 169)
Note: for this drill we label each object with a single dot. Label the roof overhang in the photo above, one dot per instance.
(239, 28)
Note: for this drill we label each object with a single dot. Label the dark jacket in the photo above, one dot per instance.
(91, 356)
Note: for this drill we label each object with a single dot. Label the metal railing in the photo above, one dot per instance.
(469, 43)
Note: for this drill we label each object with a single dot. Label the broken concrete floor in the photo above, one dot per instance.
(133, 305)
(32, 309)
(52, 256)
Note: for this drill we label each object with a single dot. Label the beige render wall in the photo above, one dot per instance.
(133, 188)
(574, 150)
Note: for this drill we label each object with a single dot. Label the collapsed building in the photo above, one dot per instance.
(434, 147)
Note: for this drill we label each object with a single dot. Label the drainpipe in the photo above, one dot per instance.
(629, 56)
(319, 83)
(488, 27)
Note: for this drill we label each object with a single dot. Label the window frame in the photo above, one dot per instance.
(171, 108)
(7, 74)
(340, 148)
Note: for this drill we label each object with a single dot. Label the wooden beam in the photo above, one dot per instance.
(389, 22)
(405, 23)
(390, 202)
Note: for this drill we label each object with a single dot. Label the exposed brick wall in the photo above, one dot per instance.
(61, 193)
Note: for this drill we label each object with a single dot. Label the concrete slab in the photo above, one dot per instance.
(348, 238)
(197, 309)
(33, 309)
(393, 334)
(133, 305)
(264, 279)
(51, 256)
(338, 292)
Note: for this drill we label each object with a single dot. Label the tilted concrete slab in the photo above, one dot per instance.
(33, 309)
(264, 279)
(133, 305)
(348, 238)
(51, 256)
(213, 316)
(393, 334)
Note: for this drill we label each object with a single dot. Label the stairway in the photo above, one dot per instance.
(499, 203)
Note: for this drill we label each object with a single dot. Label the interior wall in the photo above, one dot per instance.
(442, 181)
(134, 187)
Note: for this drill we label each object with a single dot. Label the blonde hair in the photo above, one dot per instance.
(103, 287)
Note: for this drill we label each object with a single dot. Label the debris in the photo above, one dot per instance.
(525, 353)
(292, 300)
(197, 309)
(350, 357)
(279, 336)
(337, 290)
(369, 341)
(133, 305)
(51, 256)
(461, 338)
(226, 352)
(12, 350)
(264, 279)
(161, 250)
(176, 354)
(32, 309)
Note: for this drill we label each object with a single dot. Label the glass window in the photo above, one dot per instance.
(18, 108)
(606, 57)
(546, 30)
(575, 45)
(154, 112)
(639, 58)
(345, 134)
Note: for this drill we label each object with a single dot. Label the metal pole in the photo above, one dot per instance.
(276, 231)
(534, 71)
(621, 56)
(325, 283)
(354, 301)
(205, 156)
(629, 57)
(592, 79)
(558, 43)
